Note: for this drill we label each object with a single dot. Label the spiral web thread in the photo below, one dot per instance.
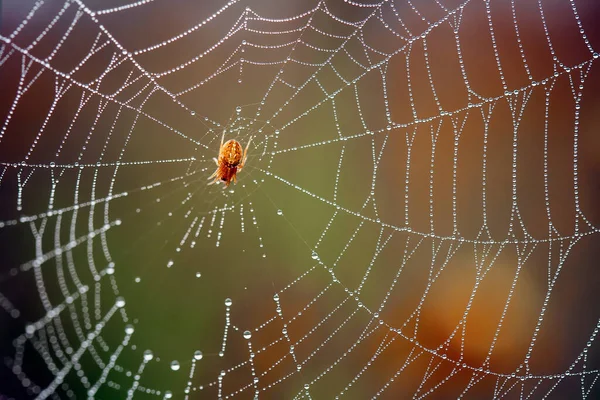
(84, 309)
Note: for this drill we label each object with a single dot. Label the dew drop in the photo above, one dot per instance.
(148, 355)
(198, 274)
(247, 335)
(175, 365)
(314, 255)
(198, 355)
(279, 212)
(120, 302)
(228, 302)
(129, 329)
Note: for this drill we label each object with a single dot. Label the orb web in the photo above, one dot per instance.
(415, 219)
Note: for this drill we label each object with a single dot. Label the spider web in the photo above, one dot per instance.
(416, 217)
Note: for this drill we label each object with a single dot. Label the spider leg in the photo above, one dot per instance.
(215, 176)
(245, 153)
(216, 161)
(222, 139)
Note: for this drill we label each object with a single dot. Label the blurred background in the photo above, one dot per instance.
(418, 215)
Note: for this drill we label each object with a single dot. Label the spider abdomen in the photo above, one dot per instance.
(231, 153)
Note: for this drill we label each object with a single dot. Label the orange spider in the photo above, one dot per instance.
(231, 161)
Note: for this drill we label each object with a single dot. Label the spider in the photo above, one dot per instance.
(231, 160)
